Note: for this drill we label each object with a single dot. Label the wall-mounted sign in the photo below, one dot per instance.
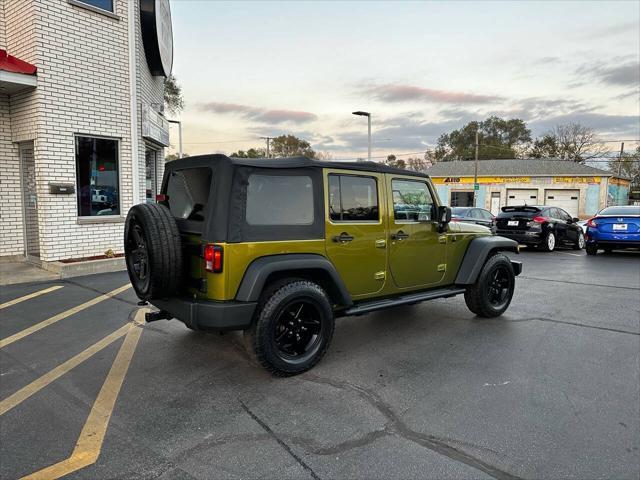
(469, 180)
(154, 126)
(157, 35)
(576, 179)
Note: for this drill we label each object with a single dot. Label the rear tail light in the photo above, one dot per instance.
(455, 219)
(213, 258)
(161, 197)
(592, 223)
(540, 219)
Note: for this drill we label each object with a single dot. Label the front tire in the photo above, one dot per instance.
(592, 249)
(492, 292)
(579, 245)
(293, 328)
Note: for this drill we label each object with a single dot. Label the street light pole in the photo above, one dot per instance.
(179, 136)
(368, 115)
(475, 173)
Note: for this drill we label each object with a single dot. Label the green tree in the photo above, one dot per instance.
(174, 156)
(570, 141)
(393, 161)
(291, 146)
(173, 95)
(251, 153)
(499, 138)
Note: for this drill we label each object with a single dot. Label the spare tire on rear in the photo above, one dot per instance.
(153, 251)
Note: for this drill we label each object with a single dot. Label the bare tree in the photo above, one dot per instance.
(325, 156)
(570, 141)
(418, 164)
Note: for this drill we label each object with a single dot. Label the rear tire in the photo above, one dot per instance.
(492, 292)
(153, 251)
(549, 242)
(293, 328)
(592, 249)
(579, 245)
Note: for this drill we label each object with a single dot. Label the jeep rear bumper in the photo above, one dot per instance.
(208, 315)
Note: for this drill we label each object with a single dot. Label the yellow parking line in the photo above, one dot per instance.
(38, 384)
(89, 443)
(29, 297)
(56, 318)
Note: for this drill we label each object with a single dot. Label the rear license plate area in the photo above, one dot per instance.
(619, 227)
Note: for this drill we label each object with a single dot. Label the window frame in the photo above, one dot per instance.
(355, 222)
(98, 218)
(411, 222)
(93, 8)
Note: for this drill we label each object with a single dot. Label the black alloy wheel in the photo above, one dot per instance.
(298, 330)
(493, 290)
(499, 286)
(138, 258)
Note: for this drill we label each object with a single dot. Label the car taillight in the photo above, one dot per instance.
(540, 219)
(592, 223)
(161, 197)
(213, 258)
(455, 219)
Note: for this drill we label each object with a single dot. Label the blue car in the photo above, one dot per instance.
(613, 228)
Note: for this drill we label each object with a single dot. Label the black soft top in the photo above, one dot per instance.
(291, 162)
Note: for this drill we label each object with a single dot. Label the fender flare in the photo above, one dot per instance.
(477, 253)
(259, 270)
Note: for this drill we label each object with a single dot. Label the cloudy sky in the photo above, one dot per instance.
(250, 69)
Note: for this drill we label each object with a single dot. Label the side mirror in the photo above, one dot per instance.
(575, 219)
(444, 217)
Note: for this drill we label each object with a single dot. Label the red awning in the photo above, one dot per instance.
(9, 63)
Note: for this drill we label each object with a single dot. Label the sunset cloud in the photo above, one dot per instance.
(393, 93)
(261, 115)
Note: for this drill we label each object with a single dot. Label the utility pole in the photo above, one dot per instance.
(268, 139)
(620, 159)
(475, 174)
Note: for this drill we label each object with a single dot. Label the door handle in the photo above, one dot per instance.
(399, 236)
(344, 237)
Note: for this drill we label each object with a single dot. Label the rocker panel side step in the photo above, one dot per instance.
(374, 305)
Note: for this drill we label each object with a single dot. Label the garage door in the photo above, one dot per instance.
(522, 196)
(568, 200)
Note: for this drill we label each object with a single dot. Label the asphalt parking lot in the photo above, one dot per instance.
(549, 390)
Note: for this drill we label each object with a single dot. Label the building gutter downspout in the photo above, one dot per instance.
(133, 94)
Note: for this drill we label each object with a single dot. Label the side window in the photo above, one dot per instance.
(486, 214)
(279, 200)
(475, 213)
(353, 198)
(412, 200)
(101, 4)
(564, 215)
(552, 213)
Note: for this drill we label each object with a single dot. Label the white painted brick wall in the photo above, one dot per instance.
(83, 88)
(10, 198)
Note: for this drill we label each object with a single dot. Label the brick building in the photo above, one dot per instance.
(82, 131)
(579, 189)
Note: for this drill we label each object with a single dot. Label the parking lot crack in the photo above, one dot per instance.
(575, 324)
(577, 283)
(273, 435)
(398, 427)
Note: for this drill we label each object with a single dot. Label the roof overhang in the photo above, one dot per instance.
(11, 82)
(15, 74)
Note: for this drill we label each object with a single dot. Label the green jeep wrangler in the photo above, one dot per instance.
(281, 247)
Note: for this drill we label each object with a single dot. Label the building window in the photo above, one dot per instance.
(98, 176)
(151, 174)
(101, 4)
(461, 199)
(353, 198)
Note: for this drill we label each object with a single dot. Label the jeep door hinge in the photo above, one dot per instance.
(442, 239)
(381, 243)
(380, 275)
(442, 267)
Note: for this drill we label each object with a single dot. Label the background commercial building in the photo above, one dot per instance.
(579, 189)
(82, 133)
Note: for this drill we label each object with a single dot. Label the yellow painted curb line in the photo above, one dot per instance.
(56, 318)
(29, 297)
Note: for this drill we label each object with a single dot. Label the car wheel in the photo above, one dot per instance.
(153, 251)
(549, 242)
(579, 245)
(492, 292)
(293, 328)
(592, 249)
